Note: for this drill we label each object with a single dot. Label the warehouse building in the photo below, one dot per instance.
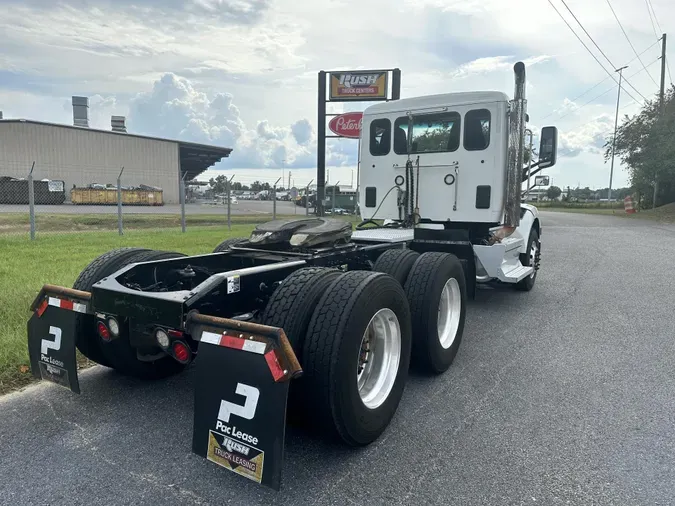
(81, 156)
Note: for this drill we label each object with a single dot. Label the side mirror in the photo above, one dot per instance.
(548, 147)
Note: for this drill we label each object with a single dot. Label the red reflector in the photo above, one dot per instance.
(175, 333)
(181, 351)
(103, 331)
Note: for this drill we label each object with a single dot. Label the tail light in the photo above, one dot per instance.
(103, 331)
(181, 352)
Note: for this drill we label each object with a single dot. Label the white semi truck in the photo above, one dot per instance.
(307, 316)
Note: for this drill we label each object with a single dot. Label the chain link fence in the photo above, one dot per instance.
(39, 199)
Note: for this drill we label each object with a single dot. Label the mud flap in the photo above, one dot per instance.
(243, 372)
(51, 340)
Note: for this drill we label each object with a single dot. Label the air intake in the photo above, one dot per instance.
(81, 111)
(118, 124)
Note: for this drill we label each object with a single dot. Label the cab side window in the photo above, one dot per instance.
(380, 137)
(477, 130)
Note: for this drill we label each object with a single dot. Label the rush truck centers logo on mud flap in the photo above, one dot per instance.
(358, 86)
(240, 413)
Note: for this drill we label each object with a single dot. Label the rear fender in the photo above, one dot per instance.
(52, 334)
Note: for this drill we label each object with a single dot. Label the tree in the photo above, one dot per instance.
(553, 192)
(219, 184)
(644, 143)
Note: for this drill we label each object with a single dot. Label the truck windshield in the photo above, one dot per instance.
(431, 133)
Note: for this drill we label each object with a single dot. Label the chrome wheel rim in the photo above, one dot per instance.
(449, 310)
(379, 358)
(533, 259)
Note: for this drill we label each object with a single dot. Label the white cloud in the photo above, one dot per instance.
(243, 73)
(174, 108)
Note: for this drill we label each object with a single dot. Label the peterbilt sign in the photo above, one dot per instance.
(347, 125)
(362, 85)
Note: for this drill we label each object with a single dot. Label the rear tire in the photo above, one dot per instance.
(294, 300)
(124, 358)
(397, 263)
(530, 258)
(225, 245)
(436, 290)
(334, 352)
(88, 342)
(290, 307)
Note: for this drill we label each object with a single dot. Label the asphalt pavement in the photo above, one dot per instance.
(563, 395)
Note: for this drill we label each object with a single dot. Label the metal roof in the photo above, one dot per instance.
(195, 158)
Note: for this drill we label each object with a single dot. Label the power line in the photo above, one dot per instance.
(629, 42)
(595, 57)
(598, 84)
(651, 18)
(604, 93)
(656, 18)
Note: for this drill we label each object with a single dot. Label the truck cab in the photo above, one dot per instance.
(455, 162)
(459, 141)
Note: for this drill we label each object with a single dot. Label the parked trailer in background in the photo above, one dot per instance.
(309, 316)
(140, 196)
(45, 191)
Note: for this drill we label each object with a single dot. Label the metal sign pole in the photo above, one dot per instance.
(321, 146)
(374, 86)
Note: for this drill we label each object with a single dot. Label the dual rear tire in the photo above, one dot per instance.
(355, 335)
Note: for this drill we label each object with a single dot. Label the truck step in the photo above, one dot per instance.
(518, 273)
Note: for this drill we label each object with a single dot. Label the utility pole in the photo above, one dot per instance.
(616, 124)
(661, 106)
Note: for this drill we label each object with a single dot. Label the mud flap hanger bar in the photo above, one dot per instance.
(197, 325)
(59, 292)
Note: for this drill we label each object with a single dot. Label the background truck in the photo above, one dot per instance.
(308, 320)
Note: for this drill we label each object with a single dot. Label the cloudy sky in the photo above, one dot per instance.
(242, 73)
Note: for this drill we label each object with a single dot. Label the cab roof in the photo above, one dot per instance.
(435, 101)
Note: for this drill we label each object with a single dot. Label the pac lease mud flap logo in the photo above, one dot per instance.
(240, 413)
(51, 346)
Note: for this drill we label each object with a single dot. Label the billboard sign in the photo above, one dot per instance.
(347, 125)
(358, 86)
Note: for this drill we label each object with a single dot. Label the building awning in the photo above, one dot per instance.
(196, 158)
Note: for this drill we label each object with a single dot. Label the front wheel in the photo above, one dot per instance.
(531, 258)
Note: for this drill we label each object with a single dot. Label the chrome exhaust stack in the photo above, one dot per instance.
(515, 157)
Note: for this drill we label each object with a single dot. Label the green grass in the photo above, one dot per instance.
(58, 259)
(19, 222)
(663, 214)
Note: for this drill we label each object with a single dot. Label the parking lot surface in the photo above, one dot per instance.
(563, 395)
